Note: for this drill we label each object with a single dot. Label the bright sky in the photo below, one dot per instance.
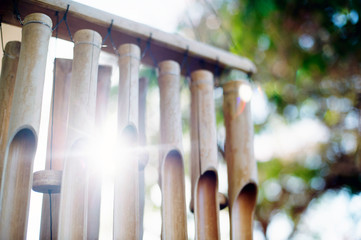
(161, 14)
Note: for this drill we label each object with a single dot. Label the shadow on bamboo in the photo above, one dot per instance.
(20, 157)
(207, 206)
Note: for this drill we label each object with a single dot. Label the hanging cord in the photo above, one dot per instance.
(109, 34)
(65, 19)
(217, 74)
(52, 124)
(185, 64)
(16, 12)
(1, 32)
(51, 215)
(149, 49)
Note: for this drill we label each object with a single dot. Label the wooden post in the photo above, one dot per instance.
(81, 118)
(241, 165)
(7, 82)
(204, 156)
(24, 127)
(56, 143)
(95, 180)
(126, 186)
(143, 159)
(174, 218)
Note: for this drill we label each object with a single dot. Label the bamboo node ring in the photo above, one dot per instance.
(44, 23)
(85, 42)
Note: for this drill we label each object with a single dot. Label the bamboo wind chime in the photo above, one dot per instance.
(71, 185)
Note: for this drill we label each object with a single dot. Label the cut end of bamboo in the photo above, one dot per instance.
(169, 67)
(38, 18)
(242, 212)
(47, 181)
(12, 49)
(130, 50)
(87, 36)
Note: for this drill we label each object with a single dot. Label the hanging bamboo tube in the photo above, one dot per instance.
(126, 187)
(204, 156)
(95, 180)
(143, 159)
(174, 218)
(241, 165)
(56, 143)
(24, 126)
(7, 82)
(81, 118)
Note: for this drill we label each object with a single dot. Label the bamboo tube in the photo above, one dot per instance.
(241, 165)
(174, 218)
(126, 187)
(7, 82)
(81, 118)
(56, 143)
(24, 127)
(204, 156)
(95, 180)
(143, 159)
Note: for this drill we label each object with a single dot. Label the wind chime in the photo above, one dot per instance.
(71, 205)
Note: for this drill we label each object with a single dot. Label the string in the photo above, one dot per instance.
(1, 32)
(16, 12)
(51, 215)
(186, 65)
(109, 34)
(148, 48)
(52, 123)
(65, 20)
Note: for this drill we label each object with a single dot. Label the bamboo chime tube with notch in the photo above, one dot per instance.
(7, 82)
(81, 118)
(24, 126)
(174, 218)
(143, 158)
(56, 143)
(241, 165)
(204, 175)
(126, 186)
(95, 180)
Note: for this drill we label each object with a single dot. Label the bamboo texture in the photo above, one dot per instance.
(95, 180)
(7, 83)
(204, 201)
(174, 224)
(241, 165)
(56, 148)
(126, 186)
(24, 126)
(81, 119)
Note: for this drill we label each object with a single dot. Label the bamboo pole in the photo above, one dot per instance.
(143, 159)
(7, 82)
(95, 180)
(241, 165)
(56, 143)
(81, 118)
(126, 187)
(24, 126)
(174, 218)
(204, 157)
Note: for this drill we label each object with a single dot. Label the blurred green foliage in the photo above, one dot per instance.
(308, 55)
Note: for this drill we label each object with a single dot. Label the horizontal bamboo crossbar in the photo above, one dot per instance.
(164, 46)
